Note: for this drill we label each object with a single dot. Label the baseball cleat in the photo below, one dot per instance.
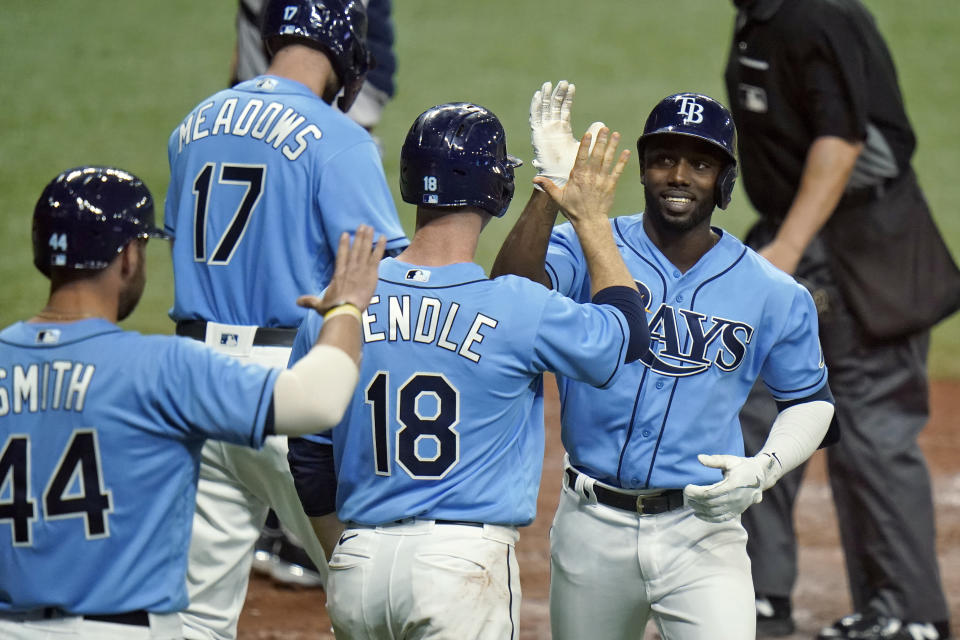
(265, 550)
(873, 626)
(291, 566)
(774, 616)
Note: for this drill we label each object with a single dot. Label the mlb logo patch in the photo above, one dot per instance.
(267, 84)
(430, 198)
(752, 98)
(59, 259)
(417, 275)
(48, 336)
(229, 339)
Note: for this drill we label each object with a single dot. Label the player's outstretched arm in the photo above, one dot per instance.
(524, 251)
(586, 200)
(554, 152)
(314, 393)
(794, 436)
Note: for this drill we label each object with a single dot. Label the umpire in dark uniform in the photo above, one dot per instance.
(825, 148)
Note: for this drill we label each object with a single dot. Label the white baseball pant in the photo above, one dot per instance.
(421, 580)
(238, 486)
(33, 626)
(612, 570)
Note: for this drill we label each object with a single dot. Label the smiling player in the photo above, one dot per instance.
(648, 523)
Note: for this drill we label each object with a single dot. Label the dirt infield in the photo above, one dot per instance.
(274, 613)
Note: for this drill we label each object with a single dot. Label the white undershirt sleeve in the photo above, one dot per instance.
(314, 393)
(794, 436)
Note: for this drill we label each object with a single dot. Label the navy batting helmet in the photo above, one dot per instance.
(455, 155)
(336, 27)
(697, 116)
(87, 215)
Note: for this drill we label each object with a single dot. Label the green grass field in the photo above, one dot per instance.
(104, 81)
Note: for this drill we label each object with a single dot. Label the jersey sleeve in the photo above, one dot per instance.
(794, 367)
(228, 399)
(305, 339)
(170, 203)
(565, 264)
(585, 342)
(835, 77)
(353, 191)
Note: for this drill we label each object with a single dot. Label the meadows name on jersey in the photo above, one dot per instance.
(61, 384)
(247, 116)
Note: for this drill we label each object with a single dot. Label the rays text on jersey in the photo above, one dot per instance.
(60, 384)
(251, 119)
(669, 356)
(392, 320)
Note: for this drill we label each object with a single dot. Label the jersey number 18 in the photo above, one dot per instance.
(427, 443)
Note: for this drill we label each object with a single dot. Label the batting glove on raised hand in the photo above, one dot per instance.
(554, 147)
(744, 480)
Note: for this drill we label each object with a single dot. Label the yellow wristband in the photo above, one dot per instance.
(341, 309)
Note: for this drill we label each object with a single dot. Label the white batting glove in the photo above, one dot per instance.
(744, 480)
(554, 147)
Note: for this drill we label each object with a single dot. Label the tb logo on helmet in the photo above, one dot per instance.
(691, 111)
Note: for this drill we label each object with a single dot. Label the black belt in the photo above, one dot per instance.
(133, 618)
(651, 504)
(462, 523)
(264, 337)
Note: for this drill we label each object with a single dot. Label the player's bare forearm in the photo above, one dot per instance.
(827, 168)
(586, 201)
(604, 262)
(524, 251)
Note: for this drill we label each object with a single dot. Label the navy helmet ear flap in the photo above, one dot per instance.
(724, 189)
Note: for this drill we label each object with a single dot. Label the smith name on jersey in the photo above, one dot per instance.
(99, 449)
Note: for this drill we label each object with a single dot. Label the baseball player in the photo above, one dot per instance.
(251, 57)
(264, 178)
(648, 522)
(276, 552)
(101, 429)
(439, 456)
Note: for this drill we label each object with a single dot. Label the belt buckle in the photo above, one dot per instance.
(640, 500)
(654, 507)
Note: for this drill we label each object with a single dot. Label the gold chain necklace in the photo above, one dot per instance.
(61, 316)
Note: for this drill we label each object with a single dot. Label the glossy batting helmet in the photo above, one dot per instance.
(87, 215)
(702, 117)
(336, 27)
(455, 155)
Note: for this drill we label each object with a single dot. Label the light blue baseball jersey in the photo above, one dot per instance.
(447, 420)
(100, 436)
(264, 177)
(729, 319)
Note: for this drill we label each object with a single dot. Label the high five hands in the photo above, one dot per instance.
(588, 194)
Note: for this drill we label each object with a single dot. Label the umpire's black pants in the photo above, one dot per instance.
(878, 476)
